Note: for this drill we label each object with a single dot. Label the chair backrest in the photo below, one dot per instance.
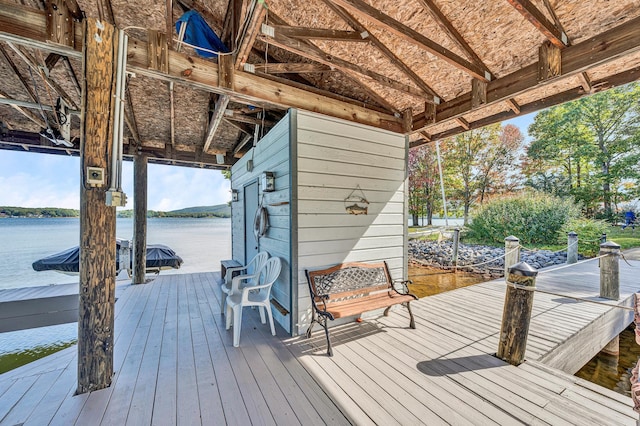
(257, 263)
(270, 271)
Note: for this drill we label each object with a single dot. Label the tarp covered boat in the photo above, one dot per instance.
(159, 257)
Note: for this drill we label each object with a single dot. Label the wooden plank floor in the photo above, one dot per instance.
(175, 364)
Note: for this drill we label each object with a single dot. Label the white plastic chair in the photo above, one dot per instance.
(257, 295)
(247, 280)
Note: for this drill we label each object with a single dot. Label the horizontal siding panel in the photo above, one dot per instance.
(310, 179)
(320, 167)
(349, 157)
(344, 246)
(345, 233)
(345, 129)
(339, 207)
(343, 220)
(306, 137)
(371, 255)
(339, 194)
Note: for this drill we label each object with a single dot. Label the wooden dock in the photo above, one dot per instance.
(175, 364)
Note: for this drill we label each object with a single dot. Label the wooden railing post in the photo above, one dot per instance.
(511, 253)
(572, 247)
(456, 243)
(516, 316)
(610, 271)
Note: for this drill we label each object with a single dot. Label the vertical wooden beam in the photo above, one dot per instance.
(60, 23)
(478, 93)
(97, 220)
(550, 61)
(139, 218)
(429, 113)
(407, 121)
(585, 82)
(157, 55)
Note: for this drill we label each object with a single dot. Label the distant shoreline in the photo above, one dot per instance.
(217, 211)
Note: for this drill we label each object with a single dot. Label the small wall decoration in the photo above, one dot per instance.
(356, 203)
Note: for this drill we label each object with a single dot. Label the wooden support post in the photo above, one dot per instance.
(516, 316)
(456, 243)
(139, 219)
(511, 253)
(97, 220)
(572, 247)
(610, 271)
(478, 93)
(550, 62)
(60, 23)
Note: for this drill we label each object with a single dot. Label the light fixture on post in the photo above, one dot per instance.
(220, 158)
(234, 195)
(268, 182)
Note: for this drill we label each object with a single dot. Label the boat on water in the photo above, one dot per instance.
(159, 257)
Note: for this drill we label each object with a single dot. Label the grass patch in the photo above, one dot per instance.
(13, 360)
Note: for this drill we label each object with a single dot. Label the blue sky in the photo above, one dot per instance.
(41, 180)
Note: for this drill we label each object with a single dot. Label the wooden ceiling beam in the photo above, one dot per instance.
(321, 34)
(31, 116)
(395, 60)
(598, 50)
(216, 119)
(513, 106)
(37, 67)
(291, 68)
(364, 10)
(451, 31)
(242, 118)
(316, 54)
(256, 14)
(546, 102)
(231, 27)
(17, 72)
(531, 13)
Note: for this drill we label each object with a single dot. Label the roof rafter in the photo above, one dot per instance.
(360, 8)
(533, 15)
(320, 34)
(255, 17)
(603, 48)
(316, 54)
(291, 68)
(357, 25)
(454, 35)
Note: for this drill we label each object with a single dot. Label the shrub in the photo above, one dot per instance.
(534, 218)
(589, 232)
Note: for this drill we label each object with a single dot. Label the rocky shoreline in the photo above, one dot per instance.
(439, 255)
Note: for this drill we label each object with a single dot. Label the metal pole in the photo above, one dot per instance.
(456, 241)
(444, 199)
(572, 247)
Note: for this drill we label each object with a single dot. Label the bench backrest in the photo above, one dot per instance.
(347, 279)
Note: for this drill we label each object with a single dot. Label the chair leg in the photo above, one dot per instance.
(412, 323)
(386, 311)
(262, 318)
(273, 329)
(237, 323)
(223, 299)
(227, 319)
(310, 328)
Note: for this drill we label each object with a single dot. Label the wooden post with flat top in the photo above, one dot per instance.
(97, 220)
(511, 253)
(572, 247)
(610, 271)
(516, 317)
(140, 219)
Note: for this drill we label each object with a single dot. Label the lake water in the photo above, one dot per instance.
(201, 243)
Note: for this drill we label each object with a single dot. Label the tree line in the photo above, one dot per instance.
(8, 211)
(586, 150)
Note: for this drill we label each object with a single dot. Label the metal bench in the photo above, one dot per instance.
(351, 289)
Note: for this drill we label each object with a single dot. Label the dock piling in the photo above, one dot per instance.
(516, 316)
(456, 243)
(610, 271)
(572, 247)
(511, 253)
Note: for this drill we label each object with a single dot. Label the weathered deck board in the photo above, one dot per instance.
(175, 364)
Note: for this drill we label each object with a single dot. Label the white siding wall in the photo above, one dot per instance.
(333, 158)
(270, 153)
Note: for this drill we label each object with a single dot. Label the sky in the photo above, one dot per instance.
(44, 180)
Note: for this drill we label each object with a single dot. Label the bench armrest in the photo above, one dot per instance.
(404, 287)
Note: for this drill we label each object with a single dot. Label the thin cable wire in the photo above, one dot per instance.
(546, 271)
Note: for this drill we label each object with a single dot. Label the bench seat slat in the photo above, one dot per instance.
(351, 307)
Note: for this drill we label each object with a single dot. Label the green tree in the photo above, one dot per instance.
(588, 148)
(423, 182)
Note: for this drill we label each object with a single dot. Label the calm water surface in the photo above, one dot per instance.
(201, 243)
